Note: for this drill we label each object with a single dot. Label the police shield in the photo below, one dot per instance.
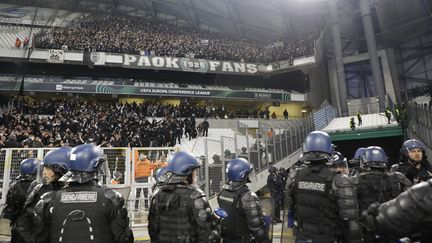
(267, 207)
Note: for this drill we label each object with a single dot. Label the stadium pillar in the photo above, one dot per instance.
(372, 49)
(337, 46)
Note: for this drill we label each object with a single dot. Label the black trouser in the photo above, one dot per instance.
(276, 206)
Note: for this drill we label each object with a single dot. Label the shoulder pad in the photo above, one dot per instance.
(38, 187)
(341, 180)
(48, 196)
(304, 171)
(403, 179)
(33, 194)
(399, 175)
(114, 196)
(354, 179)
(44, 200)
(197, 193)
(13, 185)
(248, 196)
(327, 173)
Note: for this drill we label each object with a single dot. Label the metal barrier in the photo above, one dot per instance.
(4, 181)
(420, 121)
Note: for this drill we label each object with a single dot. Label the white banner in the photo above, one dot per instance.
(98, 58)
(55, 56)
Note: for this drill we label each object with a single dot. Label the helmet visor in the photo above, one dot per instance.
(252, 175)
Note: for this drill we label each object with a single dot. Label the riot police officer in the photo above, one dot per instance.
(245, 222)
(83, 211)
(179, 210)
(323, 202)
(339, 163)
(54, 165)
(408, 215)
(17, 193)
(376, 184)
(292, 174)
(276, 186)
(414, 164)
(354, 163)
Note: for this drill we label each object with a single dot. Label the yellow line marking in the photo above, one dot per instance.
(142, 238)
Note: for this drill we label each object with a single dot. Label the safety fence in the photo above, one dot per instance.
(130, 170)
(420, 121)
(324, 116)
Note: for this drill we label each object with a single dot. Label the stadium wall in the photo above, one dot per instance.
(319, 87)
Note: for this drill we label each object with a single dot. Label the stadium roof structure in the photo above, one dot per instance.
(394, 21)
(264, 19)
(258, 19)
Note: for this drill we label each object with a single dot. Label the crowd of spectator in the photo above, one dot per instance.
(53, 123)
(139, 36)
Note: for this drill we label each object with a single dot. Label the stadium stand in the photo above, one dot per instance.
(51, 123)
(139, 36)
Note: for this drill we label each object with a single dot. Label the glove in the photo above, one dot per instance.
(290, 219)
(367, 218)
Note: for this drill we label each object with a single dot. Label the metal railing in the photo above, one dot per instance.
(420, 121)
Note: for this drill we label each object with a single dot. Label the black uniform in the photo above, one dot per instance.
(245, 218)
(379, 186)
(82, 213)
(276, 186)
(408, 215)
(413, 174)
(181, 213)
(15, 200)
(206, 126)
(24, 225)
(324, 205)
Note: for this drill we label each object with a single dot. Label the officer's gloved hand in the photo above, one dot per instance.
(290, 219)
(368, 216)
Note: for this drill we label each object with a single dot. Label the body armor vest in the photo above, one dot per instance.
(175, 216)
(315, 207)
(15, 200)
(376, 186)
(81, 214)
(235, 226)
